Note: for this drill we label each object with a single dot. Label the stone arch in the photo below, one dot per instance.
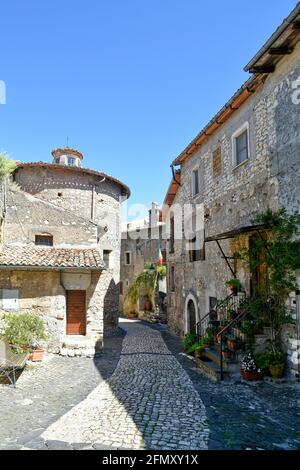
(191, 313)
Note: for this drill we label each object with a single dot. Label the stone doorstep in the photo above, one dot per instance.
(77, 346)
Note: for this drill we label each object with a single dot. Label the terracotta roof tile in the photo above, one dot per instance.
(32, 256)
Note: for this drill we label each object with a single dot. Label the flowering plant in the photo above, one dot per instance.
(248, 364)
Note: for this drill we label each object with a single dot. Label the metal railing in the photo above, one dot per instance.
(220, 313)
(224, 332)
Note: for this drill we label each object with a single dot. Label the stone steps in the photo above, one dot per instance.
(78, 346)
(210, 369)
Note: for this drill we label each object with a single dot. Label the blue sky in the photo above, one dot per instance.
(129, 81)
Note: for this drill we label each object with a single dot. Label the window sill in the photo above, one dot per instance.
(245, 162)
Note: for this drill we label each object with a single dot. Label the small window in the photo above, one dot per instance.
(127, 283)
(217, 162)
(57, 160)
(172, 234)
(44, 240)
(195, 182)
(71, 161)
(212, 302)
(106, 257)
(128, 258)
(196, 253)
(10, 299)
(240, 144)
(172, 279)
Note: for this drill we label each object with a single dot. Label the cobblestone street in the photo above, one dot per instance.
(143, 393)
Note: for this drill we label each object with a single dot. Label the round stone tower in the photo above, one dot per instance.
(95, 197)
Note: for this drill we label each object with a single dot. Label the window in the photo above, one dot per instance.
(71, 161)
(106, 257)
(172, 234)
(44, 240)
(128, 258)
(10, 299)
(196, 243)
(217, 162)
(195, 182)
(127, 283)
(172, 279)
(240, 145)
(57, 160)
(196, 252)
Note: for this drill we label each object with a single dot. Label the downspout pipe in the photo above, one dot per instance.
(298, 330)
(174, 175)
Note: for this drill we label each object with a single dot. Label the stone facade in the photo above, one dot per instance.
(142, 243)
(269, 178)
(80, 209)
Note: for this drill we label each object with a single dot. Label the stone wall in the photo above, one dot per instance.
(144, 246)
(270, 178)
(92, 215)
(43, 293)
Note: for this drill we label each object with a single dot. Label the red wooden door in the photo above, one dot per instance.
(76, 312)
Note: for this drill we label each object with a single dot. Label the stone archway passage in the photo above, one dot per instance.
(149, 402)
(191, 311)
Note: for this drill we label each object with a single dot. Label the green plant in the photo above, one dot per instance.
(208, 340)
(277, 250)
(7, 165)
(145, 284)
(189, 340)
(23, 331)
(234, 284)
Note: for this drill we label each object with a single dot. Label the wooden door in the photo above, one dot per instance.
(76, 312)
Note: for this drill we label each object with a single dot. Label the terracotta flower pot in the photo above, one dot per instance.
(276, 370)
(231, 344)
(37, 355)
(251, 375)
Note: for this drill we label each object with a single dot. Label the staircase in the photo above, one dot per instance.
(222, 358)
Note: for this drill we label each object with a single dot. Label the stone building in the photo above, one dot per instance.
(244, 161)
(60, 249)
(143, 242)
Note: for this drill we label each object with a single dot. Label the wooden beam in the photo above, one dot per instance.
(262, 68)
(280, 50)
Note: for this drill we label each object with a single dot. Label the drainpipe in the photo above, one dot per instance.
(93, 203)
(298, 330)
(174, 175)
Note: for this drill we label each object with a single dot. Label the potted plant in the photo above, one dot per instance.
(37, 352)
(24, 331)
(190, 339)
(249, 368)
(207, 341)
(199, 351)
(275, 361)
(234, 285)
(231, 343)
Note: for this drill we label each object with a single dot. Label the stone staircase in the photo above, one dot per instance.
(210, 362)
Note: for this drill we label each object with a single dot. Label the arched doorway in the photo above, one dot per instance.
(191, 314)
(191, 311)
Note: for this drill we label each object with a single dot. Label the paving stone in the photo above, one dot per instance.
(145, 365)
